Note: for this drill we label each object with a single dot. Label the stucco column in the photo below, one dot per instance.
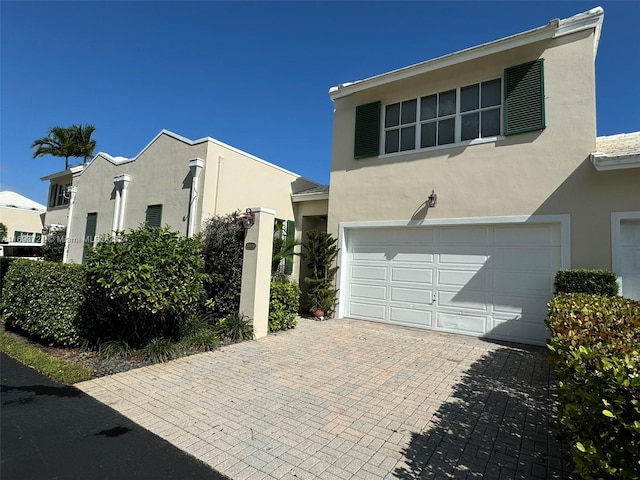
(116, 207)
(125, 179)
(256, 270)
(72, 201)
(195, 166)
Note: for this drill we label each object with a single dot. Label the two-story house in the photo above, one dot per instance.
(460, 185)
(177, 182)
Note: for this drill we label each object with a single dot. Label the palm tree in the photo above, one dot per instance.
(83, 141)
(58, 143)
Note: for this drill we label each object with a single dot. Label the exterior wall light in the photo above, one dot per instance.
(248, 219)
(432, 200)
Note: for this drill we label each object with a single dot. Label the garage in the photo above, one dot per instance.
(628, 268)
(490, 280)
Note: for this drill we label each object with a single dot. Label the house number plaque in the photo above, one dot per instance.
(250, 246)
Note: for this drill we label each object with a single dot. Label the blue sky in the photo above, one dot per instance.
(254, 75)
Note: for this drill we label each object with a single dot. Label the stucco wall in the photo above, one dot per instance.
(532, 173)
(21, 220)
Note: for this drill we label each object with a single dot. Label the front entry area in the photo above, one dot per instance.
(490, 280)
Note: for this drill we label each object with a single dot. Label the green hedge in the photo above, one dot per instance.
(594, 282)
(284, 302)
(5, 262)
(44, 300)
(595, 352)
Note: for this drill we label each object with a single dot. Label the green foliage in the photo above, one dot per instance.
(594, 282)
(44, 300)
(114, 349)
(223, 237)
(3, 232)
(595, 352)
(283, 252)
(65, 142)
(5, 262)
(53, 248)
(284, 302)
(144, 284)
(320, 251)
(235, 328)
(198, 334)
(160, 350)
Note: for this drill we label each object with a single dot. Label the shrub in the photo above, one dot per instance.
(160, 350)
(53, 248)
(284, 302)
(223, 237)
(595, 282)
(5, 262)
(44, 299)
(114, 349)
(320, 251)
(235, 328)
(144, 284)
(198, 334)
(595, 345)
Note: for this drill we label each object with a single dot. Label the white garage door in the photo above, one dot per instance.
(483, 280)
(630, 258)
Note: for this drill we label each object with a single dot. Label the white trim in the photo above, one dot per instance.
(603, 162)
(554, 29)
(73, 171)
(307, 197)
(263, 210)
(616, 258)
(563, 219)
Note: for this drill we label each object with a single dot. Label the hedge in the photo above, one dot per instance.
(595, 282)
(5, 262)
(595, 352)
(44, 300)
(284, 302)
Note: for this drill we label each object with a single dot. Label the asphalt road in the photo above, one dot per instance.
(53, 431)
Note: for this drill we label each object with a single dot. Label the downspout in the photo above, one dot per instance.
(72, 201)
(125, 179)
(116, 207)
(195, 166)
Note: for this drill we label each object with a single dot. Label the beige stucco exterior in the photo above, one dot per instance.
(21, 220)
(230, 180)
(535, 173)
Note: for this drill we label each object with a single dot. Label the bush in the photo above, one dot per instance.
(594, 282)
(44, 300)
(595, 345)
(160, 350)
(284, 302)
(53, 248)
(144, 284)
(5, 262)
(235, 328)
(223, 237)
(320, 251)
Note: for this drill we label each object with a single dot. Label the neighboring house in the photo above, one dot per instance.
(504, 135)
(22, 216)
(173, 181)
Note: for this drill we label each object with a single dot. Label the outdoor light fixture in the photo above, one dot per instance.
(248, 219)
(432, 200)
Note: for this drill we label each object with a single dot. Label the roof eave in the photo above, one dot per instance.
(603, 162)
(307, 197)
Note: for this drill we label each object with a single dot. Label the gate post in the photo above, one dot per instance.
(256, 270)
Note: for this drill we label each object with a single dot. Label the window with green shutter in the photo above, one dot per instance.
(154, 215)
(367, 136)
(291, 235)
(524, 98)
(89, 234)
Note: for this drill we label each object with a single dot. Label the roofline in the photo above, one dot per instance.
(554, 29)
(26, 209)
(77, 170)
(603, 162)
(307, 197)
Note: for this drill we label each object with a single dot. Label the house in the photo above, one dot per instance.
(22, 216)
(460, 185)
(178, 182)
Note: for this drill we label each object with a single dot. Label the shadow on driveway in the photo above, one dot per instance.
(497, 424)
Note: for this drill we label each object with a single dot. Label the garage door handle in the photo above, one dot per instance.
(433, 300)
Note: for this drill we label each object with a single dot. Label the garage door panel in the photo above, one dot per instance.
(418, 296)
(537, 284)
(630, 260)
(464, 235)
(368, 254)
(463, 258)
(518, 330)
(360, 272)
(413, 275)
(473, 279)
(525, 258)
(530, 234)
(371, 292)
(461, 323)
(421, 318)
(466, 299)
(367, 311)
(512, 306)
(630, 232)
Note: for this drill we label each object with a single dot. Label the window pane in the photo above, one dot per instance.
(392, 141)
(491, 94)
(469, 98)
(408, 138)
(428, 135)
(491, 123)
(392, 115)
(446, 131)
(470, 124)
(447, 103)
(428, 108)
(409, 111)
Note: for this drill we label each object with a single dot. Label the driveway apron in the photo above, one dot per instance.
(347, 399)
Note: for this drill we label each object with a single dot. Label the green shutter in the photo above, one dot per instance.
(524, 98)
(291, 235)
(89, 234)
(154, 215)
(367, 138)
(53, 194)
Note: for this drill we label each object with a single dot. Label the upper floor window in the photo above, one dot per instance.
(444, 118)
(58, 194)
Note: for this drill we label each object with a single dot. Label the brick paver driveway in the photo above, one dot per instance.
(345, 399)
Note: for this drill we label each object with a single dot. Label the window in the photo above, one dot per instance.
(24, 237)
(453, 116)
(154, 215)
(57, 194)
